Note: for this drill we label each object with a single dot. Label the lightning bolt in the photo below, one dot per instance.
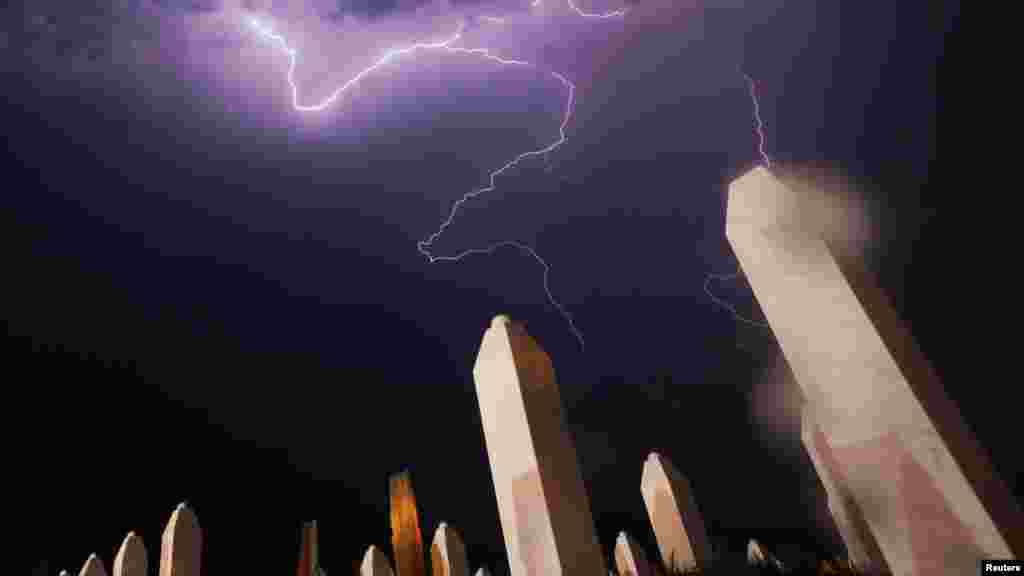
(585, 14)
(758, 122)
(448, 45)
(766, 159)
(597, 15)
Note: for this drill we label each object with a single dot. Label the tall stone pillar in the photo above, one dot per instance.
(923, 484)
(678, 525)
(543, 505)
(181, 545)
(406, 537)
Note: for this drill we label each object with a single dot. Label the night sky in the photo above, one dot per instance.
(214, 298)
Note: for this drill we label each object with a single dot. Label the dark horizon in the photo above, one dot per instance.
(230, 311)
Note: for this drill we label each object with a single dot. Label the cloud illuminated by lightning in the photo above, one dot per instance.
(448, 45)
(767, 161)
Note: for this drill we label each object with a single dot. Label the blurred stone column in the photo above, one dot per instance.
(630, 559)
(861, 548)
(907, 460)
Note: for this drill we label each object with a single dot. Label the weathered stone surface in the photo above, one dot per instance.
(543, 506)
(181, 545)
(131, 558)
(448, 553)
(406, 537)
(309, 557)
(923, 484)
(375, 563)
(678, 525)
(92, 567)
(630, 559)
(861, 548)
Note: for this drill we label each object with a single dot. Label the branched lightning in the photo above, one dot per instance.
(447, 45)
(388, 57)
(766, 159)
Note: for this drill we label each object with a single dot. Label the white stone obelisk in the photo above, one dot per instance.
(678, 525)
(543, 505)
(907, 459)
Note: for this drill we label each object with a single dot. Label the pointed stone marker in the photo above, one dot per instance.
(483, 571)
(542, 503)
(926, 489)
(92, 567)
(406, 537)
(448, 553)
(630, 559)
(375, 563)
(309, 560)
(678, 525)
(181, 545)
(758, 556)
(131, 557)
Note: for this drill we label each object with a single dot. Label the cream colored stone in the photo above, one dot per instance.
(861, 549)
(678, 525)
(131, 557)
(375, 563)
(543, 506)
(92, 567)
(181, 545)
(630, 559)
(448, 553)
(904, 455)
